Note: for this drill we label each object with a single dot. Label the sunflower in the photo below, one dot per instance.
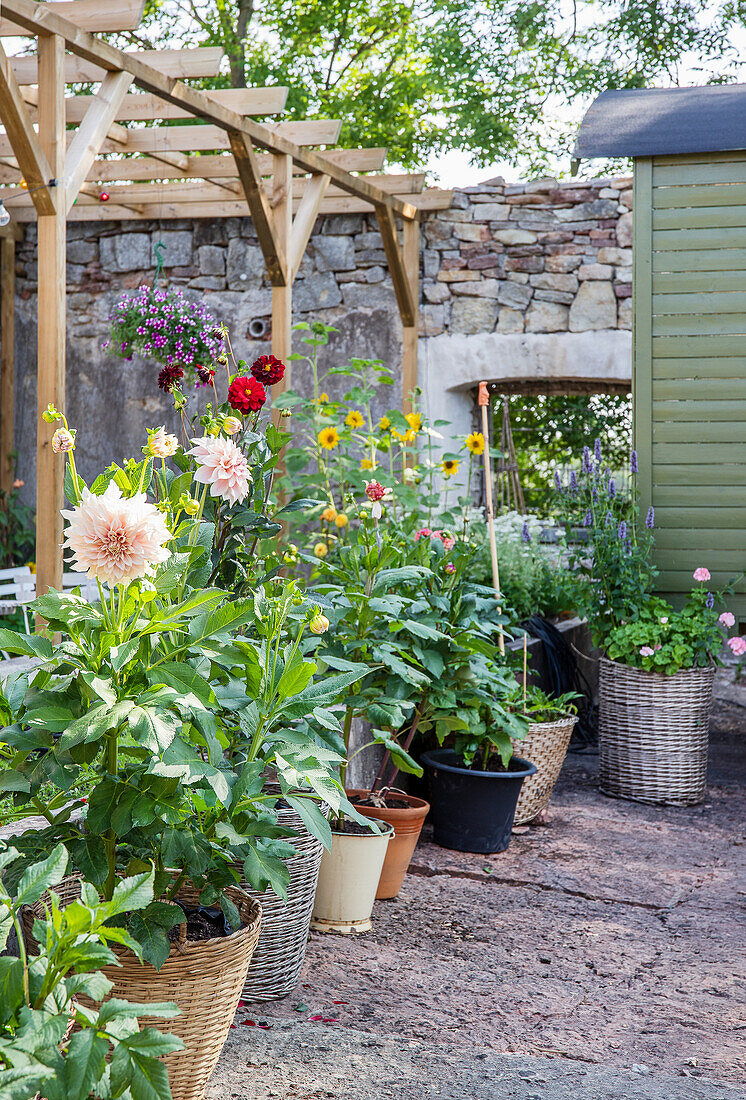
(384, 423)
(475, 443)
(322, 399)
(328, 438)
(415, 421)
(367, 464)
(408, 437)
(449, 466)
(354, 419)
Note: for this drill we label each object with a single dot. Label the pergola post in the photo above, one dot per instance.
(411, 255)
(282, 296)
(7, 360)
(50, 468)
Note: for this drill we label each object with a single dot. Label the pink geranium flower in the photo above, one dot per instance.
(737, 646)
(728, 619)
(115, 539)
(646, 651)
(702, 574)
(222, 466)
(423, 533)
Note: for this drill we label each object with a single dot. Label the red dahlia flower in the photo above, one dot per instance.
(374, 490)
(169, 378)
(246, 394)
(205, 374)
(268, 370)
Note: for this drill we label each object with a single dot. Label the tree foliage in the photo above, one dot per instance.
(421, 77)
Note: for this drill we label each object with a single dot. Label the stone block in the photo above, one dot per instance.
(547, 317)
(371, 256)
(517, 277)
(469, 315)
(344, 224)
(594, 307)
(550, 281)
(485, 288)
(514, 236)
(624, 230)
(211, 259)
(625, 313)
(469, 231)
(608, 193)
(208, 282)
(430, 263)
(491, 212)
(531, 264)
(514, 295)
(209, 232)
(564, 297)
(562, 264)
(453, 263)
(623, 274)
(436, 292)
(81, 252)
(623, 290)
(619, 257)
(484, 261)
(509, 320)
(588, 211)
(126, 252)
(245, 265)
(458, 276)
(371, 240)
(178, 248)
(432, 320)
(373, 275)
(333, 253)
(626, 198)
(594, 271)
(317, 292)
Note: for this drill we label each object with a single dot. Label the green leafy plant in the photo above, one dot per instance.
(17, 527)
(540, 707)
(108, 1054)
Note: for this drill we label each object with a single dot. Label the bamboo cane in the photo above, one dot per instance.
(484, 400)
(525, 668)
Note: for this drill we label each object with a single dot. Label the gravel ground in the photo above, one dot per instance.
(599, 958)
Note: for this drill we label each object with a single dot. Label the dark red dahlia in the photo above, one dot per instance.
(205, 374)
(246, 394)
(268, 370)
(169, 378)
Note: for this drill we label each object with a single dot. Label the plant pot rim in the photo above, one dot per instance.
(563, 720)
(414, 809)
(371, 835)
(434, 759)
(696, 669)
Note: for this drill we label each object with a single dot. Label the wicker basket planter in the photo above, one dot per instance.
(204, 978)
(278, 959)
(653, 734)
(546, 746)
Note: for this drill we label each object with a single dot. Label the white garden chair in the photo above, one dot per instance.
(88, 588)
(17, 589)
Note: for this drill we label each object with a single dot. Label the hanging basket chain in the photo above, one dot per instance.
(158, 249)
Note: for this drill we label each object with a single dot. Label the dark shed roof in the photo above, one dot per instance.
(657, 121)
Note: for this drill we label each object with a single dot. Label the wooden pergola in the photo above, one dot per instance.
(53, 173)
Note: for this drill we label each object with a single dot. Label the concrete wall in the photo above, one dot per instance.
(526, 280)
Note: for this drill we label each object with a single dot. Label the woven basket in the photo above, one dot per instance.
(545, 745)
(281, 950)
(203, 977)
(653, 733)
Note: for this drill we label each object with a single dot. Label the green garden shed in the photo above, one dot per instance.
(689, 327)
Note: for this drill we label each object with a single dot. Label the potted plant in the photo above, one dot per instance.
(43, 994)
(552, 721)
(657, 672)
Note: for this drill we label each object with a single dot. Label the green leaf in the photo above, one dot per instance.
(402, 758)
(153, 729)
(11, 987)
(84, 1063)
(298, 505)
(313, 818)
(296, 678)
(132, 893)
(25, 645)
(390, 578)
(221, 621)
(186, 680)
(262, 870)
(42, 876)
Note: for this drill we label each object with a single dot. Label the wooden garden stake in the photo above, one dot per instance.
(484, 401)
(525, 668)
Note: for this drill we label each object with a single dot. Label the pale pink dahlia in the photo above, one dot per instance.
(701, 574)
(222, 466)
(115, 539)
(161, 444)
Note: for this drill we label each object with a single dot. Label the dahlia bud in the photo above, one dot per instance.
(160, 444)
(285, 414)
(329, 514)
(231, 425)
(319, 624)
(189, 504)
(50, 414)
(341, 520)
(321, 549)
(63, 441)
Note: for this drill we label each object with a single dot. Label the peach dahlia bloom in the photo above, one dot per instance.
(222, 466)
(115, 539)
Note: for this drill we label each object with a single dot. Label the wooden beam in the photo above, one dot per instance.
(304, 221)
(215, 166)
(195, 138)
(41, 18)
(90, 135)
(180, 64)
(50, 468)
(282, 296)
(147, 108)
(22, 140)
(90, 15)
(273, 250)
(395, 259)
(410, 333)
(7, 360)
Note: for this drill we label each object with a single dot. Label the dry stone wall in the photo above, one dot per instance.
(532, 277)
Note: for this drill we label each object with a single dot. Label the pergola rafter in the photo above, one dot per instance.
(231, 160)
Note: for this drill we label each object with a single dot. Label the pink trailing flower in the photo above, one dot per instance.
(728, 619)
(425, 532)
(702, 574)
(222, 466)
(646, 651)
(737, 646)
(115, 539)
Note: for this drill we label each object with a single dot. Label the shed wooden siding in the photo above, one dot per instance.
(690, 362)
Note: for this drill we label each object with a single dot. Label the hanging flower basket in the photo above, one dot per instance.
(653, 733)
(167, 327)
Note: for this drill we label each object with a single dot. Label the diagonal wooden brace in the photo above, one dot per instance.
(275, 256)
(92, 132)
(24, 140)
(395, 258)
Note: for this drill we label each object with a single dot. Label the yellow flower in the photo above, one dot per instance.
(384, 423)
(329, 514)
(328, 438)
(414, 420)
(475, 443)
(367, 464)
(341, 520)
(449, 466)
(354, 419)
(322, 399)
(321, 549)
(408, 437)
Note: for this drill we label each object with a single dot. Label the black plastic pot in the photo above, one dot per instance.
(473, 811)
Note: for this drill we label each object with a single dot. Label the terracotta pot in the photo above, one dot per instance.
(407, 824)
(348, 879)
